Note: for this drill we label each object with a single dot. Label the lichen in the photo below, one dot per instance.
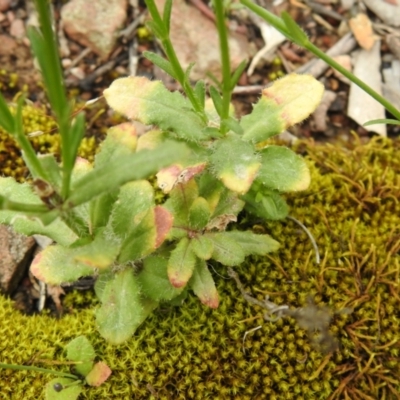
(192, 352)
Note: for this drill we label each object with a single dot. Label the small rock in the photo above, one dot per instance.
(15, 252)
(17, 28)
(94, 24)
(8, 45)
(5, 5)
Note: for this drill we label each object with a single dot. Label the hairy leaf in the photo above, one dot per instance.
(81, 350)
(181, 263)
(181, 199)
(283, 170)
(286, 102)
(134, 198)
(154, 282)
(69, 393)
(202, 284)
(227, 250)
(235, 163)
(141, 239)
(199, 213)
(267, 204)
(22, 192)
(252, 243)
(57, 264)
(121, 311)
(126, 168)
(202, 246)
(151, 103)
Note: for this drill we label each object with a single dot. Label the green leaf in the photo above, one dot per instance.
(120, 140)
(44, 45)
(98, 375)
(286, 102)
(101, 282)
(229, 204)
(160, 62)
(235, 163)
(217, 99)
(151, 103)
(188, 70)
(7, 120)
(181, 263)
(141, 240)
(81, 350)
(238, 73)
(267, 204)
(121, 311)
(202, 246)
(252, 243)
(210, 188)
(57, 264)
(69, 393)
(283, 170)
(158, 30)
(154, 282)
(69, 150)
(181, 199)
(127, 168)
(167, 14)
(227, 250)
(134, 198)
(54, 266)
(233, 125)
(200, 92)
(49, 164)
(297, 34)
(199, 213)
(202, 284)
(100, 210)
(22, 192)
(382, 121)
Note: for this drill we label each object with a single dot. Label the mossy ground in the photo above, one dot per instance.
(352, 209)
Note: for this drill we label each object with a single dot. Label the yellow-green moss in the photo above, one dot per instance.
(36, 119)
(192, 352)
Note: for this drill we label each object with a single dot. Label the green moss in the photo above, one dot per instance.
(192, 352)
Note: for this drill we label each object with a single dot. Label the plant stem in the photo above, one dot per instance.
(163, 34)
(323, 56)
(279, 24)
(37, 369)
(225, 59)
(10, 205)
(45, 48)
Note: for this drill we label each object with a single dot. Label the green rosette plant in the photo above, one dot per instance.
(210, 166)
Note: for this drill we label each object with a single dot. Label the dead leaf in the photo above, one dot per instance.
(362, 29)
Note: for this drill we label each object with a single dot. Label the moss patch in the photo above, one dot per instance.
(192, 352)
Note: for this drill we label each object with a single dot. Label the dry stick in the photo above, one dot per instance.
(246, 90)
(314, 243)
(129, 31)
